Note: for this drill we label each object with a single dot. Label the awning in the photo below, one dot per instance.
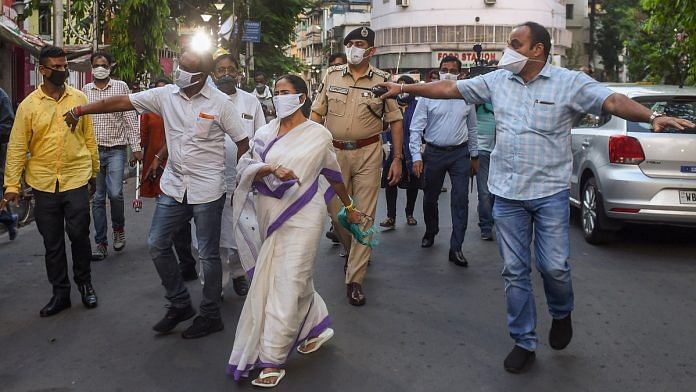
(10, 32)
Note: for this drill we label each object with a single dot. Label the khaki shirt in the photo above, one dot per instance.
(346, 109)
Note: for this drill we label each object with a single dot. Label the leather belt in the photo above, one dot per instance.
(107, 148)
(354, 145)
(447, 148)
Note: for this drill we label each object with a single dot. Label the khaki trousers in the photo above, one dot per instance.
(361, 170)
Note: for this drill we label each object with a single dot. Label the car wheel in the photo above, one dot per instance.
(592, 214)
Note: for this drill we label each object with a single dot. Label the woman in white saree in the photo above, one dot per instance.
(284, 181)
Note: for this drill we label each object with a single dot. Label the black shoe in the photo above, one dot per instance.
(240, 286)
(203, 326)
(173, 317)
(89, 296)
(457, 257)
(518, 360)
(332, 236)
(189, 273)
(356, 297)
(428, 241)
(487, 236)
(561, 333)
(55, 306)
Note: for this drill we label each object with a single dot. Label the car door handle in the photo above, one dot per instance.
(585, 144)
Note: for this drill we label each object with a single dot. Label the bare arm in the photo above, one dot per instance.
(443, 89)
(117, 103)
(626, 108)
(242, 147)
(316, 118)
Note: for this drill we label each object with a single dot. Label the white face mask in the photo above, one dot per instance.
(447, 76)
(355, 55)
(514, 61)
(101, 73)
(286, 105)
(183, 78)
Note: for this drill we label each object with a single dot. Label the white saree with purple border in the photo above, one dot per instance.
(278, 226)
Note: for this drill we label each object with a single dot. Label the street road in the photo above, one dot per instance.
(428, 325)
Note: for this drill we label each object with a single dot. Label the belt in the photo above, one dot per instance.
(447, 148)
(107, 148)
(354, 145)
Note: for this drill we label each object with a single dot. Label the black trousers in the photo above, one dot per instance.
(392, 193)
(56, 214)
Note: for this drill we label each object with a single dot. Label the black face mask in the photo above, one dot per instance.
(226, 84)
(58, 77)
(260, 88)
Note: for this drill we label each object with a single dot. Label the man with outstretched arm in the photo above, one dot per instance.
(196, 119)
(530, 170)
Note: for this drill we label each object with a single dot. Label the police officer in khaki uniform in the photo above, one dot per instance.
(355, 117)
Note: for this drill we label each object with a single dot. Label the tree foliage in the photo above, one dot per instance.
(615, 27)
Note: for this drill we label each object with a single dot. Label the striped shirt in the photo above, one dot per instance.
(113, 129)
(532, 157)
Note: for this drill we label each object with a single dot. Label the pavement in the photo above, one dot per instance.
(428, 325)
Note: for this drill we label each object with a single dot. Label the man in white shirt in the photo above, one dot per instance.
(225, 76)
(196, 119)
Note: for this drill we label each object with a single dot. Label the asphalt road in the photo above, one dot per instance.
(428, 325)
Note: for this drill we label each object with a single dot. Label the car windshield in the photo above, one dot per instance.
(678, 106)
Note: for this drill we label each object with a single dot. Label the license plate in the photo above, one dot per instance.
(688, 169)
(687, 197)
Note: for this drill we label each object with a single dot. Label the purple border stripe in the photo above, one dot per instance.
(265, 152)
(250, 273)
(239, 373)
(278, 193)
(294, 208)
(332, 175)
(329, 194)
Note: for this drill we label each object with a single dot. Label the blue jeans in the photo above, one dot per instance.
(109, 181)
(169, 217)
(437, 163)
(485, 197)
(546, 220)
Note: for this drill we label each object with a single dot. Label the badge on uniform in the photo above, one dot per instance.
(340, 90)
(247, 116)
(367, 94)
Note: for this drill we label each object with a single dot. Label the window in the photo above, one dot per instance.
(569, 11)
(679, 106)
(592, 121)
(45, 20)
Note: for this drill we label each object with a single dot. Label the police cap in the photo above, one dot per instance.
(363, 33)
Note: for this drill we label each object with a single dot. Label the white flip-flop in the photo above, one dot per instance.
(279, 376)
(318, 341)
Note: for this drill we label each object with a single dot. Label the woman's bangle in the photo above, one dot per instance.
(350, 207)
(158, 157)
(401, 91)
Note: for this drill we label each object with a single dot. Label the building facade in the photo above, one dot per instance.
(414, 35)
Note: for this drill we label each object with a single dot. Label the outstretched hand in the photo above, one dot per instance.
(665, 122)
(393, 89)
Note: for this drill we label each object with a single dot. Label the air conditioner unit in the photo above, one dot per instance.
(488, 2)
(403, 3)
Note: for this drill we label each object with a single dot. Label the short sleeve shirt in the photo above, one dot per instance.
(195, 129)
(351, 110)
(532, 158)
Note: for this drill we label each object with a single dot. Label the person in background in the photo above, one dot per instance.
(114, 132)
(337, 59)
(409, 181)
(433, 75)
(451, 147)
(486, 142)
(154, 143)
(196, 119)
(263, 93)
(225, 75)
(63, 162)
(6, 121)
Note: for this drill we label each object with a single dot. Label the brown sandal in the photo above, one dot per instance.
(388, 222)
(411, 221)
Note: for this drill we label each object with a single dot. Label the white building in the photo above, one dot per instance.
(416, 34)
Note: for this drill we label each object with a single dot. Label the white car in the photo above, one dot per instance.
(625, 172)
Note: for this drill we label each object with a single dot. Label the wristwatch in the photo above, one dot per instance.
(474, 158)
(655, 115)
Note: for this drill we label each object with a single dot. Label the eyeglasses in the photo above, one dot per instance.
(231, 70)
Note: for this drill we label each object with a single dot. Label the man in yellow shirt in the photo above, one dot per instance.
(60, 164)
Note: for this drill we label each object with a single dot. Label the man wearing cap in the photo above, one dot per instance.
(355, 117)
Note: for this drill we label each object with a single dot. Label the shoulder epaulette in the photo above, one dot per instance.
(335, 68)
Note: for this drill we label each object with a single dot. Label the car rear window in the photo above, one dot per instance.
(677, 106)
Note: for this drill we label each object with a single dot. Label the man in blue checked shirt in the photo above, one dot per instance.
(530, 169)
(451, 146)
